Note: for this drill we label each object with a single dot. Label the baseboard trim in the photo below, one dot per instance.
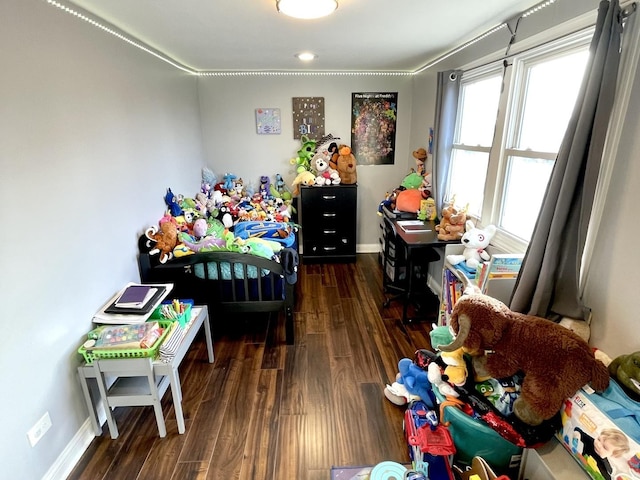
(368, 248)
(72, 453)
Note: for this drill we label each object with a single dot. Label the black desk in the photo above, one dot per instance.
(417, 246)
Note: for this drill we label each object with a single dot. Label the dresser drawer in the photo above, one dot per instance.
(328, 219)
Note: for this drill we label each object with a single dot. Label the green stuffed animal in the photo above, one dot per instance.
(440, 335)
(412, 181)
(305, 154)
(626, 370)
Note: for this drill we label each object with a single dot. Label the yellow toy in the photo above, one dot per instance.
(303, 178)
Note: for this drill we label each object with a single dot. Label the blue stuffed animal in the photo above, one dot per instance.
(415, 381)
(173, 207)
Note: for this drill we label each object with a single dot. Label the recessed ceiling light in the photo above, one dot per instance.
(306, 56)
(306, 9)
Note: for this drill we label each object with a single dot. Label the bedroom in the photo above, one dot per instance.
(93, 133)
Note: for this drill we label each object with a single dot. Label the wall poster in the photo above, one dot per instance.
(268, 121)
(308, 117)
(373, 127)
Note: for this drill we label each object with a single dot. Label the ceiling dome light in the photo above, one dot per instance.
(306, 9)
(306, 56)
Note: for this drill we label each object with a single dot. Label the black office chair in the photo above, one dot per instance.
(393, 265)
(395, 269)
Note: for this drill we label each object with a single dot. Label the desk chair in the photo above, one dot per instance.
(135, 386)
(393, 264)
(405, 268)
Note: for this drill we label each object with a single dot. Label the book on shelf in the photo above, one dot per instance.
(500, 266)
(452, 290)
(413, 226)
(506, 262)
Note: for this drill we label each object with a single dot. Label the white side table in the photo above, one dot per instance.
(169, 371)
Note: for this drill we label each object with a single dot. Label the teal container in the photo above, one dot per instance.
(472, 437)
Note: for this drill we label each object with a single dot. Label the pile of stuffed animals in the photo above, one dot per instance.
(225, 215)
(518, 369)
(323, 162)
(414, 192)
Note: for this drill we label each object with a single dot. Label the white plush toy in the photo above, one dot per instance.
(475, 241)
(326, 174)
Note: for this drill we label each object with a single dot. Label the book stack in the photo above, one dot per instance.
(133, 304)
(504, 266)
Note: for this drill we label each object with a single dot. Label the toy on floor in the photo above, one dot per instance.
(555, 361)
(449, 368)
(475, 241)
(411, 384)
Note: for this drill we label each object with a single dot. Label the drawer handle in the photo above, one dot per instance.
(329, 232)
(328, 197)
(329, 249)
(328, 214)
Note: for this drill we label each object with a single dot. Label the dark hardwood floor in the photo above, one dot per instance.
(265, 410)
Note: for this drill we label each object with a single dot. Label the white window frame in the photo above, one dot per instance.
(513, 80)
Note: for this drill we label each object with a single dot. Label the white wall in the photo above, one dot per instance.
(92, 132)
(232, 145)
(610, 288)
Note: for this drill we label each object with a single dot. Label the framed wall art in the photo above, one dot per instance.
(373, 127)
(268, 121)
(308, 117)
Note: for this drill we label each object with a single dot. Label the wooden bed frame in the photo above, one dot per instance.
(227, 282)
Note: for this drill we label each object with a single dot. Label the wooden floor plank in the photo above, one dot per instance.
(263, 430)
(291, 458)
(229, 448)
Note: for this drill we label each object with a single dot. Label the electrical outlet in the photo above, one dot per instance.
(39, 429)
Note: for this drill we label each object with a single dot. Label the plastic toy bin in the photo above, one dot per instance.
(90, 354)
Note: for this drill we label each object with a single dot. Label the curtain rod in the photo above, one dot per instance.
(625, 14)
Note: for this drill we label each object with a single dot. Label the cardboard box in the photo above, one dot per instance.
(600, 446)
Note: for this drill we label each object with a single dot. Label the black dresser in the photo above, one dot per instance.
(328, 219)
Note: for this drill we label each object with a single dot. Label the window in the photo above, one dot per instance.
(507, 139)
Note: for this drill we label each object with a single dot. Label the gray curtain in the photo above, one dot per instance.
(445, 124)
(547, 285)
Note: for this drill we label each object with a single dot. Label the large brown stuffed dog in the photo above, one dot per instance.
(555, 361)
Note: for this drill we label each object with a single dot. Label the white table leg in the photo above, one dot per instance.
(176, 393)
(209, 339)
(93, 414)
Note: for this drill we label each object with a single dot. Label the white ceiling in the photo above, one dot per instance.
(361, 35)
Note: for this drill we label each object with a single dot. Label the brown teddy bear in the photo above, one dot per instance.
(555, 361)
(452, 224)
(346, 166)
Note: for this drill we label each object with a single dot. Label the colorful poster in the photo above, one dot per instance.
(373, 127)
(308, 117)
(268, 121)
